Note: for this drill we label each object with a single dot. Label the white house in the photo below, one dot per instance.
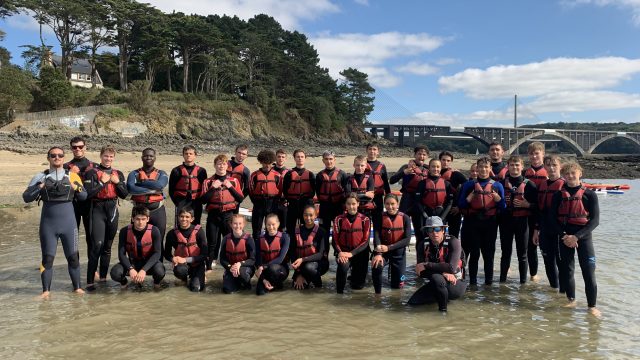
(80, 72)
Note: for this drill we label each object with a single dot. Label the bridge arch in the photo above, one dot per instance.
(609, 137)
(579, 150)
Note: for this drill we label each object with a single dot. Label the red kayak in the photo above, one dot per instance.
(607, 186)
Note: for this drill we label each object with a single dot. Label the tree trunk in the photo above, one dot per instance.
(185, 67)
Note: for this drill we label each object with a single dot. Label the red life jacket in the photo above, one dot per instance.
(351, 235)
(266, 186)
(418, 175)
(305, 247)
(108, 191)
(269, 252)
(546, 191)
(392, 231)
(377, 177)
(361, 188)
(518, 193)
(571, 209)
(300, 186)
(236, 252)
(222, 200)
(435, 193)
(147, 198)
(235, 172)
(447, 174)
(330, 188)
(482, 201)
(187, 247)
(188, 184)
(442, 254)
(132, 243)
(537, 176)
(501, 175)
(75, 168)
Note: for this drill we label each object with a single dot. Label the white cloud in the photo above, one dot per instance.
(633, 5)
(22, 21)
(417, 68)
(362, 2)
(447, 61)
(580, 101)
(289, 13)
(369, 52)
(541, 78)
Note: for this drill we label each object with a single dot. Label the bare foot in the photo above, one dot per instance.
(46, 295)
(79, 291)
(595, 312)
(96, 275)
(535, 278)
(156, 286)
(124, 287)
(103, 280)
(571, 304)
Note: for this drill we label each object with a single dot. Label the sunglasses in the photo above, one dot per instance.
(53, 156)
(77, 147)
(434, 229)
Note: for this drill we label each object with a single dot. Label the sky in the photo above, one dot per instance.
(457, 63)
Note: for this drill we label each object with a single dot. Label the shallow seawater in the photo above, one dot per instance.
(500, 321)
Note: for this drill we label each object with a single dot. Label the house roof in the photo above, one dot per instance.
(80, 66)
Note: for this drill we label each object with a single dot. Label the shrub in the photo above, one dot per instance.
(139, 96)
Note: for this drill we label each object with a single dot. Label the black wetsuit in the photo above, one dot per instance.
(359, 262)
(81, 208)
(424, 211)
(548, 240)
(296, 203)
(243, 179)
(395, 256)
(151, 264)
(516, 227)
(263, 205)
(104, 221)
(364, 201)
(532, 249)
(230, 283)
(182, 201)
(218, 221)
(282, 207)
(57, 221)
(496, 168)
(454, 219)
(438, 289)
(407, 199)
(275, 271)
(328, 209)
(379, 196)
(316, 265)
(193, 271)
(585, 250)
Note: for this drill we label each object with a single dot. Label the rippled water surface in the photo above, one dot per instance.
(502, 321)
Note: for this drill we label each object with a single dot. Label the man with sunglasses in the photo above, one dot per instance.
(443, 267)
(80, 165)
(57, 188)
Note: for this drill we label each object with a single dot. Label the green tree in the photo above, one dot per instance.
(150, 43)
(54, 89)
(357, 96)
(15, 91)
(101, 27)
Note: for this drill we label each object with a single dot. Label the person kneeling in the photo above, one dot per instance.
(272, 269)
(443, 267)
(310, 259)
(139, 251)
(237, 257)
(190, 252)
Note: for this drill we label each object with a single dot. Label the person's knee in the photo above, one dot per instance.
(47, 261)
(181, 271)
(117, 273)
(74, 260)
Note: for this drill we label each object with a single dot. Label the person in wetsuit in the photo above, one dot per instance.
(481, 199)
(265, 190)
(237, 257)
(104, 186)
(57, 188)
(577, 214)
(185, 184)
(330, 185)
(186, 248)
(139, 251)
(363, 185)
(378, 170)
(390, 243)
(298, 187)
(521, 197)
(281, 168)
(271, 263)
(146, 186)
(537, 174)
(351, 245)
(310, 251)
(443, 267)
(456, 179)
(239, 171)
(80, 165)
(499, 168)
(221, 196)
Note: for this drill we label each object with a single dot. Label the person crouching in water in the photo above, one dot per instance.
(190, 254)
(237, 257)
(310, 260)
(351, 245)
(443, 267)
(390, 243)
(271, 265)
(139, 251)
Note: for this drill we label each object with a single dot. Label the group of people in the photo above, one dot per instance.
(296, 213)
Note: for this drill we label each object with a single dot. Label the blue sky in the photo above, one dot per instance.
(459, 62)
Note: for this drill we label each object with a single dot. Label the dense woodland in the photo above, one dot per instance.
(217, 58)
